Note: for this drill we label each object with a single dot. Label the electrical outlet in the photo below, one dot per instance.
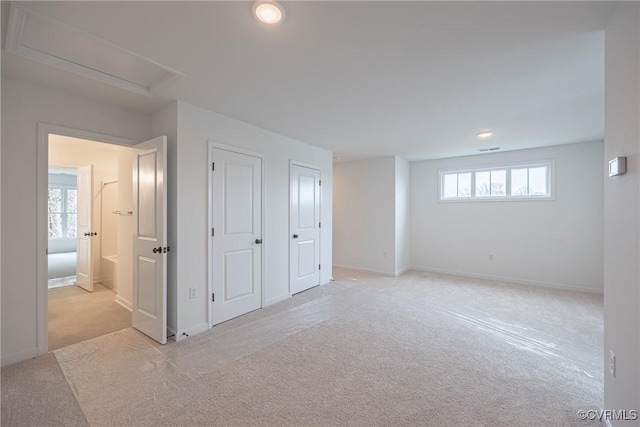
(384, 254)
(612, 364)
(490, 257)
(192, 293)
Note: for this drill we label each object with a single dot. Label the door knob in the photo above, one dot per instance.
(87, 234)
(157, 250)
(258, 241)
(295, 236)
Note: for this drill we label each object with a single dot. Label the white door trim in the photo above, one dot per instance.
(213, 145)
(293, 163)
(42, 173)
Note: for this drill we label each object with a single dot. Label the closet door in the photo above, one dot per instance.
(305, 228)
(237, 234)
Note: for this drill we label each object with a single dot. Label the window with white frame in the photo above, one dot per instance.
(513, 182)
(62, 212)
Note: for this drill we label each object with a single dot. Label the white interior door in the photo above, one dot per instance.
(237, 234)
(305, 228)
(84, 260)
(149, 242)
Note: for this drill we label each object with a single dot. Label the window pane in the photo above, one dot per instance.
(71, 225)
(538, 181)
(505, 182)
(71, 200)
(482, 184)
(519, 186)
(450, 185)
(55, 200)
(464, 184)
(55, 225)
(499, 183)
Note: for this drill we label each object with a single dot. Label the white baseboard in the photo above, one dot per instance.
(367, 270)
(10, 359)
(123, 302)
(276, 300)
(402, 271)
(202, 327)
(560, 286)
(109, 286)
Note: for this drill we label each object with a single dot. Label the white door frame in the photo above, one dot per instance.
(265, 244)
(293, 163)
(42, 178)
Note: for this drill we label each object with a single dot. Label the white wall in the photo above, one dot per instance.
(23, 106)
(549, 242)
(109, 220)
(125, 228)
(195, 127)
(371, 215)
(622, 210)
(402, 215)
(165, 122)
(364, 215)
(61, 245)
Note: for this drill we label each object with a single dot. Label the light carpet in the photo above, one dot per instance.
(76, 315)
(421, 349)
(61, 265)
(36, 393)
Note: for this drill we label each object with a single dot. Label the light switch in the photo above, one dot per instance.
(617, 166)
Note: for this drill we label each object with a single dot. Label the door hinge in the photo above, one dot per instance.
(213, 232)
(319, 182)
(319, 225)
(213, 297)
(213, 166)
(319, 266)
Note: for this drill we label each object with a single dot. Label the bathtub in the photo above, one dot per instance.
(109, 270)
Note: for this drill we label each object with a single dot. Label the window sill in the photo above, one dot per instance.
(497, 199)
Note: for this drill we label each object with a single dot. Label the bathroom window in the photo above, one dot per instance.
(62, 212)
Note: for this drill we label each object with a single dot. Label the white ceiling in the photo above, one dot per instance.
(364, 79)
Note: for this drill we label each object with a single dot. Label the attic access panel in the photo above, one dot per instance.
(52, 42)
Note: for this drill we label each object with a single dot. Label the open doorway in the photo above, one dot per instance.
(140, 276)
(89, 239)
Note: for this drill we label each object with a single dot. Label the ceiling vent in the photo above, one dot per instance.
(484, 150)
(51, 42)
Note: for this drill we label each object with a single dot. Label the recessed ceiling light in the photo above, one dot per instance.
(267, 11)
(485, 134)
(336, 157)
